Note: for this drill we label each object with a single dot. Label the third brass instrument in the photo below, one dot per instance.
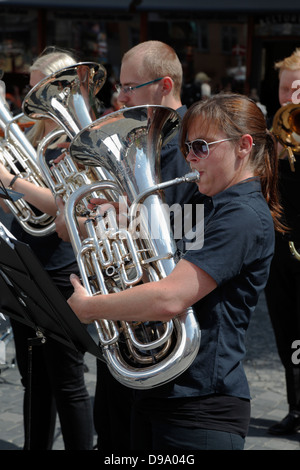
(20, 158)
(286, 128)
(127, 143)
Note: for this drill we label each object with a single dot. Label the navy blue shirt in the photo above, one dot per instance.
(237, 251)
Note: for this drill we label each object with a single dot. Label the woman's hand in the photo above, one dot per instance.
(120, 207)
(60, 224)
(5, 175)
(78, 300)
(103, 203)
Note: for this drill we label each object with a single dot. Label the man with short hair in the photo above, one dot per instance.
(151, 73)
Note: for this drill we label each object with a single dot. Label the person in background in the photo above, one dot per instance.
(151, 73)
(115, 104)
(203, 81)
(207, 407)
(57, 371)
(283, 287)
(254, 96)
(197, 90)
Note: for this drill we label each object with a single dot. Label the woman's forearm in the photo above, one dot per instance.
(40, 197)
(161, 300)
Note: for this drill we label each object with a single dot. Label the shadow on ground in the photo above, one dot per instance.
(259, 428)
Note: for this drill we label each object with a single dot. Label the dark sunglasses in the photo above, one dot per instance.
(200, 147)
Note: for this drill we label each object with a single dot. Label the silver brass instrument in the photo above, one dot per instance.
(286, 128)
(127, 143)
(20, 158)
(67, 97)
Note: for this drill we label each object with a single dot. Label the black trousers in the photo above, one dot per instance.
(152, 431)
(57, 385)
(112, 412)
(283, 301)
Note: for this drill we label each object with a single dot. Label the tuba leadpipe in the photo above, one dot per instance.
(140, 355)
(286, 128)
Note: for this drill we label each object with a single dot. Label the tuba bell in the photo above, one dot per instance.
(68, 98)
(140, 355)
(286, 128)
(20, 158)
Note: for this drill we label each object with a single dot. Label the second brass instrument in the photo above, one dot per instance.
(68, 98)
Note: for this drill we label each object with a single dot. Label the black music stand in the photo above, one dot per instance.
(9, 193)
(28, 295)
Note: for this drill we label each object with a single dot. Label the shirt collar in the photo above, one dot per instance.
(248, 186)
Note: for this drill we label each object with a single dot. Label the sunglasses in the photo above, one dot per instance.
(200, 147)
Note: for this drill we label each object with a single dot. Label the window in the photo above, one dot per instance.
(202, 37)
(229, 38)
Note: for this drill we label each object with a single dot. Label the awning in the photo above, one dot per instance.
(230, 6)
(242, 6)
(82, 4)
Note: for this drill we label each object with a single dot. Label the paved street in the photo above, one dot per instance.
(267, 385)
(263, 368)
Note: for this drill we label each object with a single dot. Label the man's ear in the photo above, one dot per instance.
(167, 85)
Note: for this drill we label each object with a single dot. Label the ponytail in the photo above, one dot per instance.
(269, 181)
(237, 115)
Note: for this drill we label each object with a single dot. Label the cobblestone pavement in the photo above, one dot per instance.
(267, 385)
(263, 368)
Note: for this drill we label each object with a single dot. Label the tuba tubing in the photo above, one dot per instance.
(12, 131)
(188, 333)
(294, 252)
(127, 143)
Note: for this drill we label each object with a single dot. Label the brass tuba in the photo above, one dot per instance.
(286, 128)
(20, 158)
(68, 98)
(140, 355)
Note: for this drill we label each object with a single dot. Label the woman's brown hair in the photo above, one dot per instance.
(236, 115)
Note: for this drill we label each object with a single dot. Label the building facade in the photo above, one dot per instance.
(235, 45)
